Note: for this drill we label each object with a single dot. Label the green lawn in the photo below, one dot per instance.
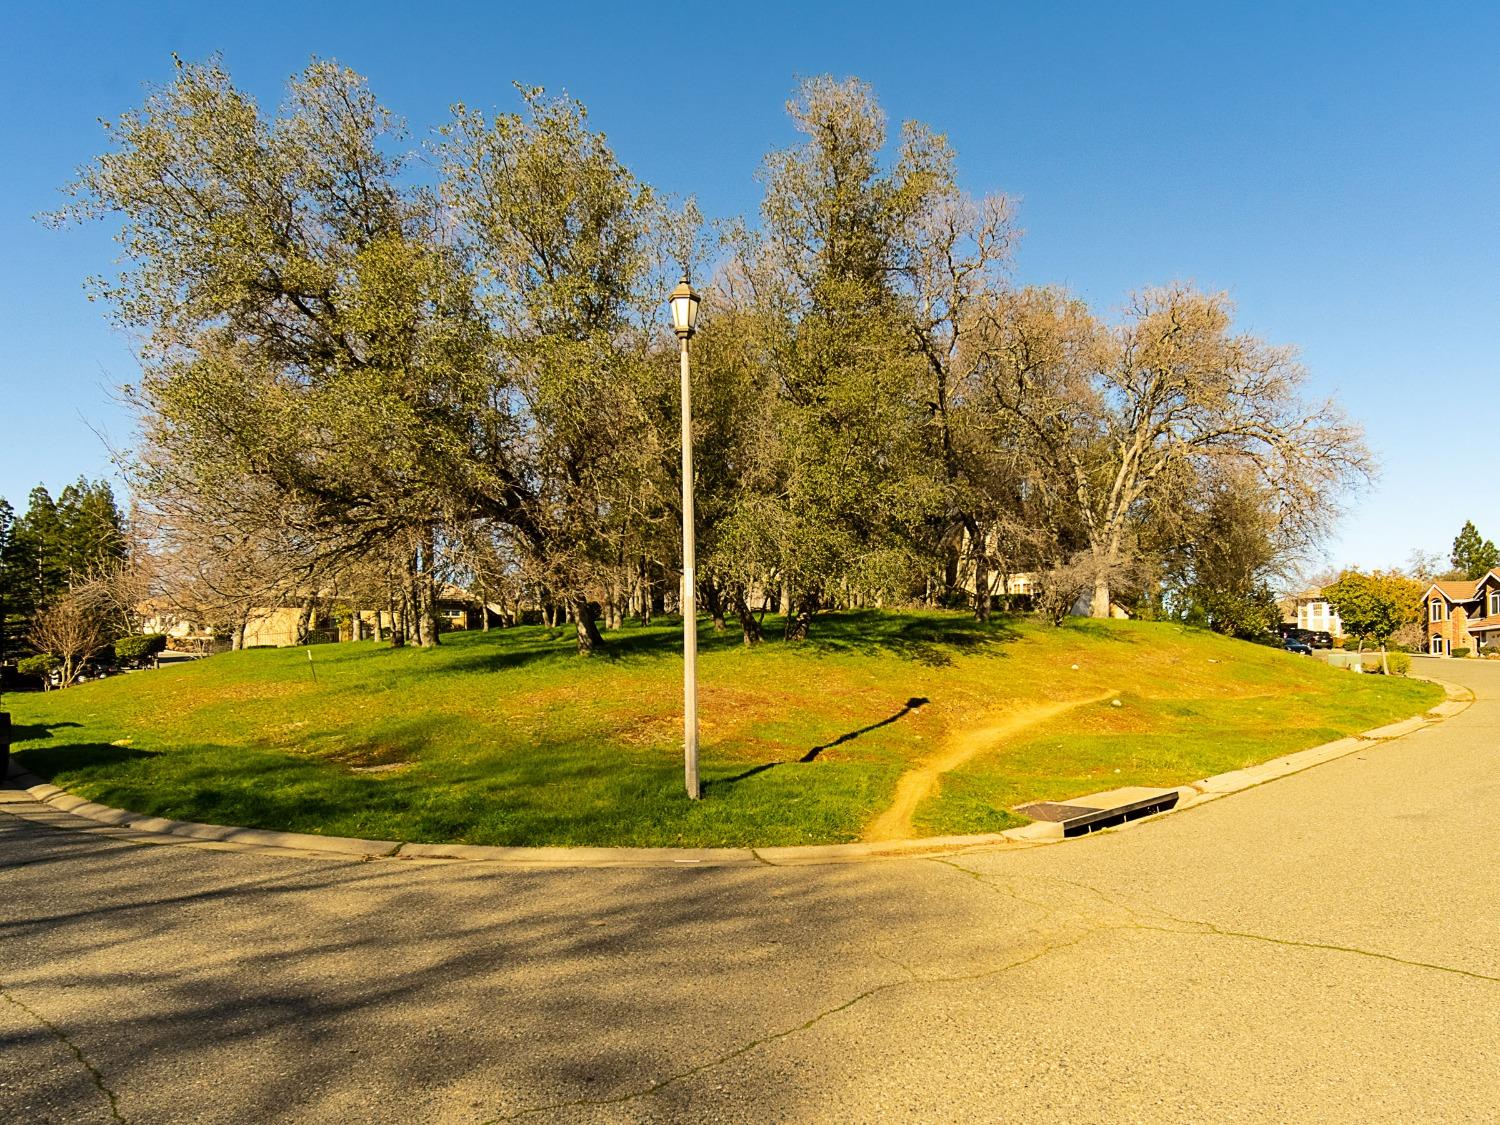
(509, 738)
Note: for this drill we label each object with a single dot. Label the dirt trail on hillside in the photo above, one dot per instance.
(918, 783)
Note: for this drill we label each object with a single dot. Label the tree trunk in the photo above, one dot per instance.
(715, 603)
(658, 590)
(378, 631)
(427, 578)
(589, 639)
(748, 623)
(978, 543)
(1099, 603)
(305, 621)
(398, 625)
(797, 624)
(434, 633)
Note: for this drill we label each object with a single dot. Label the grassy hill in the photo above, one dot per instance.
(509, 738)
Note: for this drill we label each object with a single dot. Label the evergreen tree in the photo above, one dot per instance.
(1472, 554)
(55, 544)
(10, 589)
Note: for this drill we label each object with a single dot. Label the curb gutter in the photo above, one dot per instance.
(1040, 832)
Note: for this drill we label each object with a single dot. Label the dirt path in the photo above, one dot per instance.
(915, 784)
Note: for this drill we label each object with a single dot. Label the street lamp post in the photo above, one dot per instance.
(684, 303)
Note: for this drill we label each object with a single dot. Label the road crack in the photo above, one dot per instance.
(912, 979)
(1208, 929)
(1142, 912)
(62, 1037)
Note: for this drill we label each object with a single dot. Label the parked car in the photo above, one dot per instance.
(1313, 638)
(1297, 645)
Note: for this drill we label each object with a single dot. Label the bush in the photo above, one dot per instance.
(140, 647)
(39, 665)
(1399, 662)
(1461, 651)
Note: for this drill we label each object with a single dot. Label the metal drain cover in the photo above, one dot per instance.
(1050, 810)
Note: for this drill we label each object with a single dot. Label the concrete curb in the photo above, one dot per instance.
(1197, 793)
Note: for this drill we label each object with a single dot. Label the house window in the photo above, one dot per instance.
(1437, 611)
(1495, 603)
(1436, 648)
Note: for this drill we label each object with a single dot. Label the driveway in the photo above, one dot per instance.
(1325, 947)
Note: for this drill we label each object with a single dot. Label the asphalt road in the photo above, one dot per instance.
(1322, 948)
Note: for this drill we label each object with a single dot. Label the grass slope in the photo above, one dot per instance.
(509, 738)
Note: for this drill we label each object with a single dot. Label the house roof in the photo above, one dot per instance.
(1455, 591)
(1464, 590)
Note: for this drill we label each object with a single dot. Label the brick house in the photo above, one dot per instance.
(1463, 615)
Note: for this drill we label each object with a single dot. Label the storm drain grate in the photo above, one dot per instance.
(1101, 810)
(1050, 810)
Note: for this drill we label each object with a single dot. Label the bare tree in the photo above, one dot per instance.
(71, 630)
(1113, 414)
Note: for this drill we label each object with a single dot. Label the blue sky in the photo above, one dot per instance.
(1334, 167)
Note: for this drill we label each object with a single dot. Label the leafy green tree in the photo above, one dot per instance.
(1369, 605)
(1472, 554)
(1226, 555)
(316, 370)
(853, 490)
(562, 236)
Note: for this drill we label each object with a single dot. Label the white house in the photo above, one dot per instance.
(1312, 612)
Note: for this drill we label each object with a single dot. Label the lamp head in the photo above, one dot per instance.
(684, 304)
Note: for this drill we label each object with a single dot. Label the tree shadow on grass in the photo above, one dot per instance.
(36, 732)
(48, 762)
(558, 646)
(1108, 630)
(912, 704)
(930, 639)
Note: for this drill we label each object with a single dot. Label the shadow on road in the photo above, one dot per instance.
(250, 986)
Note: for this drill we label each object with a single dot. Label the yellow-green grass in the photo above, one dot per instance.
(510, 738)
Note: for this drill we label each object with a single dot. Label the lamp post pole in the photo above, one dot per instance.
(689, 591)
(684, 304)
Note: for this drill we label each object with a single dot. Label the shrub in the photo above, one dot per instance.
(1399, 663)
(1462, 650)
(38, 665)
(141, 646)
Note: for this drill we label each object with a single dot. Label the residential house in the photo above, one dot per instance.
(1463, 615)
(280, 626)
(1009, 589)
(1310, 611)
